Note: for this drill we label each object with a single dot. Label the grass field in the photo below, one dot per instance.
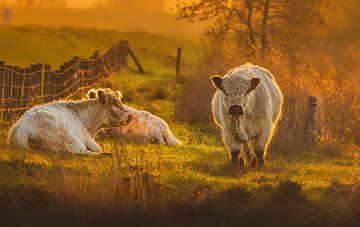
(185, 185)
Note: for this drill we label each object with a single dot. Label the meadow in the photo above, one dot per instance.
(140, 185)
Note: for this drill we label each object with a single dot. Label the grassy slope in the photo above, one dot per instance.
(200, 162)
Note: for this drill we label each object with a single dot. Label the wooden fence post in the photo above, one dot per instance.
(75, 74)
(95, 67)
(47, 86)
(7, 94)
(178, 61)
(28, 83)
(40, 81)
(136, 61)
(17, 91)
(22, 73)
(312, 122)
(2, 77)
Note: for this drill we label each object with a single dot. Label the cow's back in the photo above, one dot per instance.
(268, 86)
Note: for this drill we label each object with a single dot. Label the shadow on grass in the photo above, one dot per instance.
(285, 205)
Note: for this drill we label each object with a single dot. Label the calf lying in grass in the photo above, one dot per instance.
(69, 126)
(145, 128)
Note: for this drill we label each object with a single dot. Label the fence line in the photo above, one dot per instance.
(22, 88)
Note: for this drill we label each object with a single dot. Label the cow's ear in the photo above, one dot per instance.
(217, 81)
(91, 94)
(101, 94)
(254, 83)
(118, 94)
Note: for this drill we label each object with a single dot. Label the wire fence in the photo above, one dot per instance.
(22, 88)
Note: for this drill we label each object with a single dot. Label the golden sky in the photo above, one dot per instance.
(92, 3)
(81, 3)
(168, 4)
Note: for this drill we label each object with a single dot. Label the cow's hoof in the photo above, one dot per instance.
(242, 164)
(254, 164)
(106, 154)
(261, 165)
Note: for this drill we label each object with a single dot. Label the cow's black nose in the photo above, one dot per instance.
(236, 110)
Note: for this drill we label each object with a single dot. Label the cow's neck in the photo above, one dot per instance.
(92, 115)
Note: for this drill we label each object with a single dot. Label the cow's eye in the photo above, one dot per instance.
(119, 106)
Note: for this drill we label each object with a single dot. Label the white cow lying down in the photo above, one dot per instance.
(69, 126)
(145, 128)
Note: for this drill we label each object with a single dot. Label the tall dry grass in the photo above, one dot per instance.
(298, 77)
(106, 195)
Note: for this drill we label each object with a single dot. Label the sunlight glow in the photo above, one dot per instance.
(82, 3)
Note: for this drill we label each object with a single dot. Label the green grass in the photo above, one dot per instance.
(197, 164)
(27, 45)
(200, 163)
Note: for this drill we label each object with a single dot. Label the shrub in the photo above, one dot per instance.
(160, 93)
(194, 103)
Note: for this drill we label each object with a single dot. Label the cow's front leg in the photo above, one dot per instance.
(74, 145)
(249, 154)
(244, 138)
(92, 146)
(261, 144)
(234, 147)
(237, 161)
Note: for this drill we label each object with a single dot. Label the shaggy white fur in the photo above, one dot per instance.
(145, 128)
(247, 106)
(69, 126)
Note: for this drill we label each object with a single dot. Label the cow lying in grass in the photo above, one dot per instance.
(145, 128)
(69, 126)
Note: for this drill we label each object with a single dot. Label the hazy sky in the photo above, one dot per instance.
(82, 3)
(92, 3)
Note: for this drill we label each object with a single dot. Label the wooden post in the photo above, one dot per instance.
(95, 67)
(22, 73)
(63, 78)
(28, 93)
(40, 82)
(312, 121)
(7, 93)
(137, 63)
(2, 77)
(16, 90)
(47, 87)
(85, 68)
(178, 61)
(75, 75)
(33, 79)
(11, 102)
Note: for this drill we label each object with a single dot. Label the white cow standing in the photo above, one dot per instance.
(247, 106)
(69, 126)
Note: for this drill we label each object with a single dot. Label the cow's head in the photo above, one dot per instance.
(114, 113)
(237, 89)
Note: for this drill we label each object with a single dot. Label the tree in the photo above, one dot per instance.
(259, 21)
(226, 17)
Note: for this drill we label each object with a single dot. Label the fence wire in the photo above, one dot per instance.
(23, 88)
